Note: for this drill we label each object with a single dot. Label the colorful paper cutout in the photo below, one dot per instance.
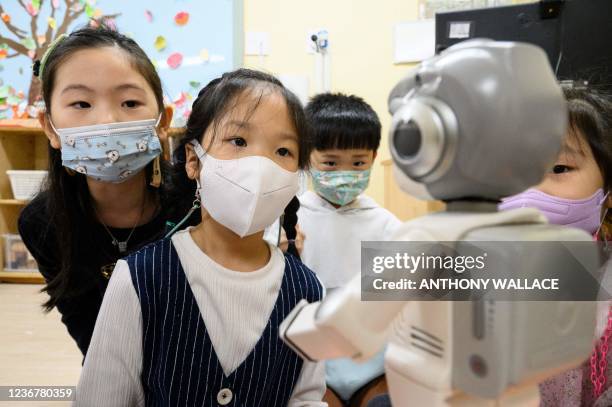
(175, 60)
(89, 10)
(28, 43)
(31, 9)
(13, 100)
(181, 18)
(180, 101)
(160, 43)
(204, 55)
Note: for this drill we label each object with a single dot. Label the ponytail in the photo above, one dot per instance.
(290, 219)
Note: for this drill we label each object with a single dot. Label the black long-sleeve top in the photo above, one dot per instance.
(94, 255)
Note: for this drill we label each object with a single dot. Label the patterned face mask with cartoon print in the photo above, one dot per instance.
(110, 152)
(340, 187)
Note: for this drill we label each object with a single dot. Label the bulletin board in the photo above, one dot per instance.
(189, 41)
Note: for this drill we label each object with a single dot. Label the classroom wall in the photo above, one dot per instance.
(361, 49)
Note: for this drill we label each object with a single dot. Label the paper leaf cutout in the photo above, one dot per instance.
(55, 3)
(204, 55)
(3, 53)
(28, 43)
(175, 60)
(31, 9)
(110, 23)
(149, 16)
(180, 101)
(181, 18)
(89, 10)
(52, 23)
(194, 84)
(13, 100)
(160, 43)
(5, 17)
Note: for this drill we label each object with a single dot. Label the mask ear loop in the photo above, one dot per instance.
(52, 125)
(195, 206)
(156, 176)
(70, 172)
(603, 219)
(197, 202)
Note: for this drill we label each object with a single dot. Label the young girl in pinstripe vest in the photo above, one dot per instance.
(193, 320)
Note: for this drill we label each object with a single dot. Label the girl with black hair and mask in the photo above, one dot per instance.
(194, 319)
(104, 197)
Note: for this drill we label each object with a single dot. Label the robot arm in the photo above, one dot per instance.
(340, 326)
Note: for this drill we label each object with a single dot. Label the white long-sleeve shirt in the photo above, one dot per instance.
(233, 305)
(333, 236)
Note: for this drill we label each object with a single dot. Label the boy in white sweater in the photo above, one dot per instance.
(337, 216)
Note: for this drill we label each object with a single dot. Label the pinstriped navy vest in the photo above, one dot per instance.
(180, 367)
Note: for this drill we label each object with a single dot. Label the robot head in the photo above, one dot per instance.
(482, 120)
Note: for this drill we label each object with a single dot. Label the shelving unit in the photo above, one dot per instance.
(24, 146)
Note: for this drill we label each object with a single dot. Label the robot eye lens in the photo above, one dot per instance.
(407, 139)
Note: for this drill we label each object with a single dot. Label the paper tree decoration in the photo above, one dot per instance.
(26, 42)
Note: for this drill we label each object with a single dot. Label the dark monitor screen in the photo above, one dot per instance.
(575, 34)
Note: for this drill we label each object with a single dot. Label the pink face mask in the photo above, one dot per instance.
(583, 214)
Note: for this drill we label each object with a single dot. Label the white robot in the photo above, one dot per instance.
(481, 121)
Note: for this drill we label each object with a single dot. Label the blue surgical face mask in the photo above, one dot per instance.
(110, 152)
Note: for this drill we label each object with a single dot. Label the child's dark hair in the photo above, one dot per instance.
(219, 97)
(69, 203)
(343, 122)
(590, 118)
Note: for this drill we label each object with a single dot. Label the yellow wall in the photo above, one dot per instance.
(361, 49)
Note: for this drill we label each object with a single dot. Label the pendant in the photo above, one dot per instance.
(122, 246)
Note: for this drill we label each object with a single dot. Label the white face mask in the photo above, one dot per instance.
(247, 194)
